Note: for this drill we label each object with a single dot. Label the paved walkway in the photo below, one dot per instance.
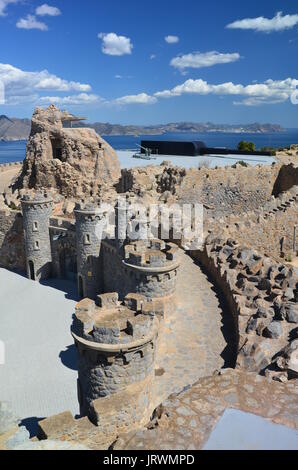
(194, 342)
(39, 376)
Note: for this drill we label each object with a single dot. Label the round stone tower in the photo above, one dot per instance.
(89, 219)
(37, 211)
(151, 268)
(116, 345)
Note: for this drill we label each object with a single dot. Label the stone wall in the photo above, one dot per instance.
(270, 230)
(12, 246)
(223, 191)
(262, 298)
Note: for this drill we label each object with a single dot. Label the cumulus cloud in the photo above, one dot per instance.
(4, 4)
(30, 22)
(172, 39)
(266, 25)
(199, 60)
(141, 98)
(82, 98)
(115, 45)
(47, 10)
(269, 92)
(20, 83)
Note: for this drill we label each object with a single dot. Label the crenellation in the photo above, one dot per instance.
(116, 351)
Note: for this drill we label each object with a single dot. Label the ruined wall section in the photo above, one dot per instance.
(270, 230)
(12, 245)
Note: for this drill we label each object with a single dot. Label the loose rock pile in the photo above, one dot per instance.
(262, 296)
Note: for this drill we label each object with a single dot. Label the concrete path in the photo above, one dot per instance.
(194, 342)
(39, 374)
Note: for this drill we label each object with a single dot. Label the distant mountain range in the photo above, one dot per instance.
(12, 129)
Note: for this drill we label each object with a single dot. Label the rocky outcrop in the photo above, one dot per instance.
(74, 162)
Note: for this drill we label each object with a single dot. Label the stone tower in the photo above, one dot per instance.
(151, 268)
(37, 211)
(116, 345)
(88, 222)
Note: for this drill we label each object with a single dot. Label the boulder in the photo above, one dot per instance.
(274, 330)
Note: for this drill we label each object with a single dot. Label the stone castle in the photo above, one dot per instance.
(128, 287)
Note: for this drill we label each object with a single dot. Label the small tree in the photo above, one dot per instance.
(246, 146)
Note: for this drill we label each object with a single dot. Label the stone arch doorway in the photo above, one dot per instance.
(68, 263)
(80, 287)
(31, 270)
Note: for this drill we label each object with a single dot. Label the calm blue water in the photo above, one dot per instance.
(15, 151)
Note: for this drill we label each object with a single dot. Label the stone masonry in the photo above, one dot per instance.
(116, 346)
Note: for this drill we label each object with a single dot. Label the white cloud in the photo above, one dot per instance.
(269, 92)
(153, 56)
(172, 39)
(4, 4)
(266, 25)
(115, 45)
(141, 98)
(30, 22)
(19, 83)
(199, 60)
(82, 98)
(47, 10)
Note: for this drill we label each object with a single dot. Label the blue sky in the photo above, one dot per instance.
(152, 62)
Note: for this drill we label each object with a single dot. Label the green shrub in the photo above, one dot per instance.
(246, 146)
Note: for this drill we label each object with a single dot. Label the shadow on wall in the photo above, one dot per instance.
(69, 357)
(286, 179)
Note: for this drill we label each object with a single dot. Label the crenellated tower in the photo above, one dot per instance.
(89, 220)
(37, 210)
(151, 268)
(116, 345)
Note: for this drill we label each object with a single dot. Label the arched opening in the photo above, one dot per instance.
(80, 287)
(31, 271)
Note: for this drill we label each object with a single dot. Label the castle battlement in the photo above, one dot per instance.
(37, 199)
(110, 322)
(116, 344)
(151, 254)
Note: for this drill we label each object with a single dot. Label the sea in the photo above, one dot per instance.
(15, 151)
